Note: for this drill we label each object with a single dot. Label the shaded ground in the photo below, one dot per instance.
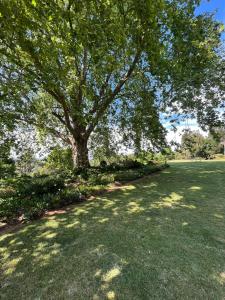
(161, 238)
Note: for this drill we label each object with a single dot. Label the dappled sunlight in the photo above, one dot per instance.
(111, 274)
(220, 278)
(14, 241)
(5, 236)
(11, 267)
(132, 232)
(108, 204)
(80, 211)
(48, 235)
(99, 250)
(195, 188)
(219, 216)
(75, 224)
(51, 223)
(134, 207)
(184, 224)
(211, 172)
(190, 206)
(111, 295)
(101, 219)
(169, 201)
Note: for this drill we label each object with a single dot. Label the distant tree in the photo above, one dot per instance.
(191, 142)
(194, 144)
(66, 65)
(26, 162)
(60, 158)
(207, 149)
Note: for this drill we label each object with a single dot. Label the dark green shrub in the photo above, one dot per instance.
(113, 167)
(29, 186)
(34, 208)
(7, 168)
(131, 164)
(69, 196)
(101, 179)
(103, 164)
(124, 176)
(10, 209)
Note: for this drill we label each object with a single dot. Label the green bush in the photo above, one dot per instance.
(103, 164)
(124, 176)
(30, 197)
(131, 164)
(28, 186)
(10, 209)
(101, 179)
(35, 207)
(68, 196)
(7, 169)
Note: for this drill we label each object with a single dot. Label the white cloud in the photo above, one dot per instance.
(175, 136)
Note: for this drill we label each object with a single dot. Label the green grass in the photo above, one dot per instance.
(160, 238)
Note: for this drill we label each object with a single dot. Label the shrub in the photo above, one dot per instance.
(131, 164)
(60, 159)
(34, 208)
(101, 179)
(30, 196)
(7, 169)
(10, 209)
(67, 196)
(103, 164)
(28, 186)
(124, 176)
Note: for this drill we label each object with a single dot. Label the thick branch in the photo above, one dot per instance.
(103, 105)
(60, 118)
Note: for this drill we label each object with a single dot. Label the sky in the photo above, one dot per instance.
(207, 6)
(217, 6)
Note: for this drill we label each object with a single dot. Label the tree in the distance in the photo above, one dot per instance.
(66, 65)
(194, 145)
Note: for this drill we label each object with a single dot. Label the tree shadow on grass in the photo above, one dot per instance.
(162, 237)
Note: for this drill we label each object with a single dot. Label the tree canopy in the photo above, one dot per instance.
(69, 67)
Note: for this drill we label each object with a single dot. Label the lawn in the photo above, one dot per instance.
(162, 237)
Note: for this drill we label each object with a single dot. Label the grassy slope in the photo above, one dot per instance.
(163, 238)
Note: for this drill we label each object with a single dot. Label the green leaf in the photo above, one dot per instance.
(34, 3)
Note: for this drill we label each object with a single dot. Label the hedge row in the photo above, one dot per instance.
(30, 197)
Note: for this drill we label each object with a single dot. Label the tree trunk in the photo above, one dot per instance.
(80, 152)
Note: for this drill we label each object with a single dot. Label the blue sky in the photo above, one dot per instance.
(216, 6)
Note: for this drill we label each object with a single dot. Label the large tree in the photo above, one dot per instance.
(66, 66)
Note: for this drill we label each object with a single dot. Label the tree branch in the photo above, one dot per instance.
(101, 107)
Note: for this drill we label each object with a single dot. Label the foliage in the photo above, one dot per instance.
(59, 159)
(26, 162)
(29, 197)
(7, 164)
(7, 168)
(67, 67)
(196, 145)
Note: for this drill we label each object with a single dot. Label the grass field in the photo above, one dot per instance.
(160, 238)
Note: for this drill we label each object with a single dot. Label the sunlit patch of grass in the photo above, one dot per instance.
(160, 238)
(195, 188)
(11, 267)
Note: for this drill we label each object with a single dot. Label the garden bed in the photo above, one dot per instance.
(28, 198)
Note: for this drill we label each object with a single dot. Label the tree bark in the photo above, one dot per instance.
(79, 152)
